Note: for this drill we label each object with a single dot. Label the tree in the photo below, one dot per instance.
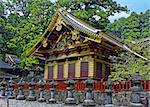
(94, 12)
(134, 27)
(3, 33)
(126, 65)
(27, 19)
(131, 30)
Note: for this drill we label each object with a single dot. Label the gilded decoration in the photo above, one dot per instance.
(69, 38)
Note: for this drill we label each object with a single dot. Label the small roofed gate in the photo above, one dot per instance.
(73, 49)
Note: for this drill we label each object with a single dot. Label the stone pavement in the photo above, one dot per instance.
(16, 103)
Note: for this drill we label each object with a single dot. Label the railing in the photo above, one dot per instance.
(98, 86)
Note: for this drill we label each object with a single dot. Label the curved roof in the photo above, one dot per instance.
(4, 65)
(80, 26)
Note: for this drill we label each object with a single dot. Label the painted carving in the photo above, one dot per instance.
(69, 38)
(45, 43)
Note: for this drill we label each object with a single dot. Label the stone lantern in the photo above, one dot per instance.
(88, 97)
(41, 83)
(11, 85)
(109, 83)
(21, 95)
(52, 99)
(136, 88)
(3, 85)
(31, 96)
(70, 98)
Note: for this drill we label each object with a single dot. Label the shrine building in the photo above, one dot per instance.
(73, 49)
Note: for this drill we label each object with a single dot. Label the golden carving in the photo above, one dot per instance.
(58, 27)
(59, 24)
(45, 43)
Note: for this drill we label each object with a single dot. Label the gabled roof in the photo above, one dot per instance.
(81, 26)
(4, 65)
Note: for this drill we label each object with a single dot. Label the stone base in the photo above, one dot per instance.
(109, 105)
(31, 98)
(1, 96)
(20, 97)
(89, 103)
(41, 100)
(10, 97)
(70, 101)
(136, 105)
(52, 101)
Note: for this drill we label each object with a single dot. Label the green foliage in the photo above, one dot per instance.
(134, 27)
(127, 65)
(94, 12)
(26, 21)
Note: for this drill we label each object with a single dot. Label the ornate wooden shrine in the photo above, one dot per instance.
(73, 49)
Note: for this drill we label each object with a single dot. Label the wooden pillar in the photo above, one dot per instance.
(46, 72)
(77, 69)
(66, 70)
(55, 70)
(103, 71)
(91, 68)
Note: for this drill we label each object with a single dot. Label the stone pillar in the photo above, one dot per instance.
(88, 97)
(41, 83)
(70, 98)
(109, 91)
(31, 96)
(52, 99)
(11, 85)
(21, 95)
(136, 88)
(3, 85)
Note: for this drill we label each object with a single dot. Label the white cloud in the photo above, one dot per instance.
(118, 15)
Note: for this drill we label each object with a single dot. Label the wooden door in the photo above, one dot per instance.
(84, 69)
(50, 72)
(98, 70)
(60, 71)
(71, 70)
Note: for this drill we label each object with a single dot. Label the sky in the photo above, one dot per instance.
(133, 5)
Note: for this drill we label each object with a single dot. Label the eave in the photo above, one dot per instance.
(94, 34)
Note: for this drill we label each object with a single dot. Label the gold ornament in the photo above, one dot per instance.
(58, 27)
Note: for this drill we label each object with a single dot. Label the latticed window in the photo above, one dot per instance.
(71, 70)
(98, 70)
(60, 71)
(84, 69)
(50, 72)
